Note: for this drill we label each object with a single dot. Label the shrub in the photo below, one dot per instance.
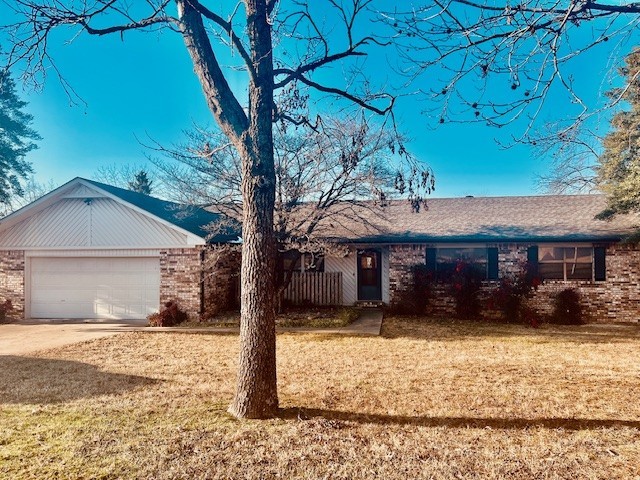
(509, 297)
(567, 309)
(529, 316)
(348, 315)
(169, 316)
(466, 281)
(414, 300)
(5, 308)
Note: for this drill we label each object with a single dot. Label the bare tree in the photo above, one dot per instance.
(464, 42)
(337, 176)
(574, 158)
(128, 176)
(500, 63)
(246, 123)
(31, 191)
(520, 65)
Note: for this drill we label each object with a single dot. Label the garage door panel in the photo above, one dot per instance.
(132, 278)
(60, 310)
(116, 288)
(139, 310)
(58, 295)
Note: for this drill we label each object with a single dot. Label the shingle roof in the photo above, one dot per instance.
(477, 219)
(467, 219)
(191, 218)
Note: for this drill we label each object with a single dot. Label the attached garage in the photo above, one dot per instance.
(111, 288)
(94, 251)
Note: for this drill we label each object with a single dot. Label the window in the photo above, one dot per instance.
(565, 263)
(304, 262)
(313, 262)
(443, 261)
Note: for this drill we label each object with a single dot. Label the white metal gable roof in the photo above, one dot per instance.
(80, 214)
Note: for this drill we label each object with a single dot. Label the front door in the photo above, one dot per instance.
(369, 275)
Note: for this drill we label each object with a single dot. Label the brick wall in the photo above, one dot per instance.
(401, 259)
(12, 280)
(180, 271)
(615, 300)
(221, 279)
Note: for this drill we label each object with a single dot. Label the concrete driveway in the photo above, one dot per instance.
(30, 336)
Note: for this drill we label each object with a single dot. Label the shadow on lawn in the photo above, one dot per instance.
(44, 380)
(456, 422)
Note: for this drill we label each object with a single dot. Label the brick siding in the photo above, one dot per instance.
(221, 279)
(180, 271)
(12, 280)
(617, 299)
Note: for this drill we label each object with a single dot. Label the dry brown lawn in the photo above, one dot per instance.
(428, 399)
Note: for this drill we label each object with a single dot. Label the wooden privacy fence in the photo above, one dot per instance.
(315, 288)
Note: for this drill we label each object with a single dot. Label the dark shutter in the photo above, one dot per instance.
(431, 260)
(492, 263)
(599, 264)
(532, 259)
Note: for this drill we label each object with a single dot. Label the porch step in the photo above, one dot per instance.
(370, 304)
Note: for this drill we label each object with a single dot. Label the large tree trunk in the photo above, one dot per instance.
(256, 395)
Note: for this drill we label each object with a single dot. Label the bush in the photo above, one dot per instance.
(509, 297)
(5, 308)
(414, 300)
(466, 281)
(567, 309)
(169, 316)
(348, 315)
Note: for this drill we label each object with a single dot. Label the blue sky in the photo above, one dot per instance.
(144, 87)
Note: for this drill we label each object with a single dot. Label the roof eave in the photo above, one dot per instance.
(391, 239)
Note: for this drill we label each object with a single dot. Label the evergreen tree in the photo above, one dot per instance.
(15, 142)
(141, 183)
(619, 164)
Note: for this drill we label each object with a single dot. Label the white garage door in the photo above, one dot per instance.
(110, 288)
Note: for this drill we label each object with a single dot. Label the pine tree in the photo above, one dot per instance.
(15, 141)
(141, 183)
(619, 164)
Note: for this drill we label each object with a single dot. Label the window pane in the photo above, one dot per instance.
(313, 263)
(578, 254)
(552, 271)
(577, 262)
(368, 261)
(447, 260)
(291, 261)
(578, 271)
(445, 270)
(470, 255)
(585, 254)
(550, 254)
